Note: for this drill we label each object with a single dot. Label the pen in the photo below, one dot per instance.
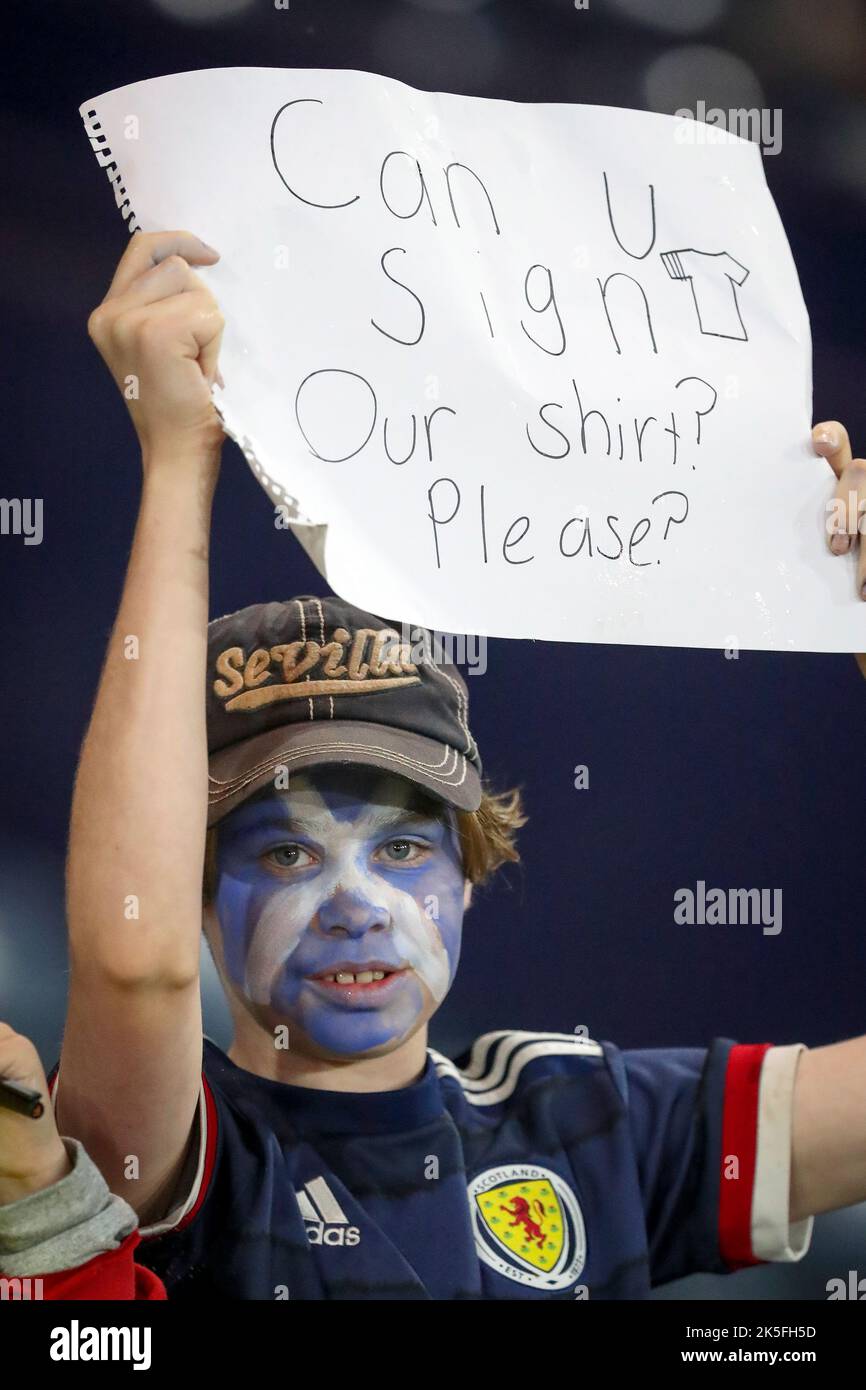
(22, 1099)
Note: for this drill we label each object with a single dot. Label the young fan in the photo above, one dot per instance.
(328, 792)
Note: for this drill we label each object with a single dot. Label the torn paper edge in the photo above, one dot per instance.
(277, 493)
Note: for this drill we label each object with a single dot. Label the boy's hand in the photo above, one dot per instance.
(159, 330)
(32, 1154)
(847, 523)
(847, 520)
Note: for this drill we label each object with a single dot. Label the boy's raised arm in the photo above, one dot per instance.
(131, 1056)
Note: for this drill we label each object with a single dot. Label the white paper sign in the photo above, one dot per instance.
(532, 370)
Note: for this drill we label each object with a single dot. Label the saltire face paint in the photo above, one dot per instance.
(350, 873)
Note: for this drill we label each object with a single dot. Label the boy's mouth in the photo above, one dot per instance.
(370, 977)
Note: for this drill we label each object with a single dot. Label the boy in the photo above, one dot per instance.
(330, 1153)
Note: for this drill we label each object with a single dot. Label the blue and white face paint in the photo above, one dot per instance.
(340, 906)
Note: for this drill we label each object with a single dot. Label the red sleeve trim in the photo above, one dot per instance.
(740, 1142)
(112, 1275)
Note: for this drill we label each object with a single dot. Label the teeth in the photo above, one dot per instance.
(362, 977)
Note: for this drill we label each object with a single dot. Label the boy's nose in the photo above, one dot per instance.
(351, 913)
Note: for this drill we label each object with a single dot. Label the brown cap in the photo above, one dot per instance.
(314, 680)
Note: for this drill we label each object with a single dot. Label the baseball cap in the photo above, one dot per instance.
(310, 681)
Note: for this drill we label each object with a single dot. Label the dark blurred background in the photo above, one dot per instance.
(742, 773)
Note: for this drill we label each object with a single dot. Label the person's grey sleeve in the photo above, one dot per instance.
(64, 1225)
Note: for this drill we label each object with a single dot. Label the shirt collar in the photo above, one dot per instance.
(331, 1112)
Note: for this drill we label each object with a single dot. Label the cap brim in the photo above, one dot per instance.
(237, 772)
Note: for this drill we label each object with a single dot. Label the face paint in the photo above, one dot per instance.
(350, 871)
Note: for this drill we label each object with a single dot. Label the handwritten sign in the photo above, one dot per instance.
(523, 370)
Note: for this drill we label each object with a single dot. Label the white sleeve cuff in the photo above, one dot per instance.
(189, 1186)
(190, 1196)
(774, 1236)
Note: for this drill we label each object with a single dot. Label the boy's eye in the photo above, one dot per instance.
(399, 851)
(290, 856)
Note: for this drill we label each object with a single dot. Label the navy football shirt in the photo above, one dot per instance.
(538, 1165)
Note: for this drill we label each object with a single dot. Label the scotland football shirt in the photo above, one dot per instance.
(537, 1165)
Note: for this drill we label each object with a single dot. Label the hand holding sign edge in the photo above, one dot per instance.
(830, 440)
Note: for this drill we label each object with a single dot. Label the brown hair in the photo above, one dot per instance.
(487, 839)
(488, 835)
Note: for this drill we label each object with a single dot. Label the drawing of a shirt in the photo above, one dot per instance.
(714, 277)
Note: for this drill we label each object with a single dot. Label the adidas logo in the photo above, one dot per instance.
(326, 1222)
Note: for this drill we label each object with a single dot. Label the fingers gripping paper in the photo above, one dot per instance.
(531, 370)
